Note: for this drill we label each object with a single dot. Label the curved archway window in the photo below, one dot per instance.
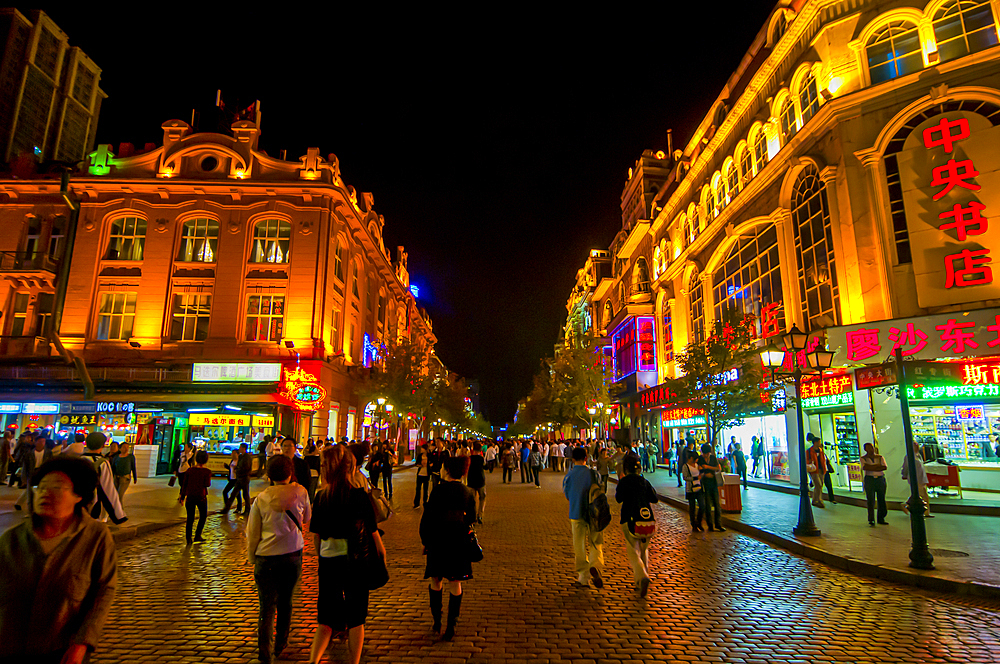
(657, 260)
(759, 152)
(271, 238)
(894, 51)
(808, 97)
(708, 205)
(780, 25)
(608, 314)
(354, 284)
(693, 225)
(962, 27)
(746, 165)
(817, 274)
(338, 262)
(697, 311)
(750, 276)
(127, 239)
(788, 123)
(199, 241)
(640, 277)
(718, 196)
(732, 183)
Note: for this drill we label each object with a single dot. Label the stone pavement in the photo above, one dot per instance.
(966, 555)
(715, 597)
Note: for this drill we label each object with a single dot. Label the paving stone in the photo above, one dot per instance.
(714, 597)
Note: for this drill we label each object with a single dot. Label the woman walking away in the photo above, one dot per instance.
(444, 532)
(423, 475)
(195, 490)
(535, 463)
(59, 570)
(274, 548)
(123, 466)
(341, 512)
(636, 494)
(693, 492)
(507, 463)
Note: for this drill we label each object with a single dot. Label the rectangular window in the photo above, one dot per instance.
(189, 321)
(668, 335)
(127, 240)
(350, 343)
(335, 328)
(338, 262)
(115, 316)
(265, 317)
(20, 314)
(43, 314)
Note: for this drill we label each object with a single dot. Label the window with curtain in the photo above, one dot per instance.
(127, 239)
(199, 241)
(894, 50)
(115, 316)
(189, 319)
(817, 275)
(759, 151)
(265, 317)
(749, 278)
(788, 123)
(746, 165)
(808, 97)
(732, 182)
(271, 238)
(962, 27)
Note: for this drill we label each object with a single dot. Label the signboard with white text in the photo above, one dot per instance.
(236, 372)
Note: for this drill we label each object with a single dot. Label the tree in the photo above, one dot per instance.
(407, 378)
(708, 380)
(580, 380)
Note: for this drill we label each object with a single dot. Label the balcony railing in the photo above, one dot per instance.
(25, 261)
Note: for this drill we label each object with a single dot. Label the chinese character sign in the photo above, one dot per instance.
(950, 176)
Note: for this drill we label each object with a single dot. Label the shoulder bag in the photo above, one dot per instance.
(381, 505)
(475, 551)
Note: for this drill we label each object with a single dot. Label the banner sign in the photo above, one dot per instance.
(216, 419)
(236, 372)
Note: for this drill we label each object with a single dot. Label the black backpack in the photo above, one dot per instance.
(597, 504)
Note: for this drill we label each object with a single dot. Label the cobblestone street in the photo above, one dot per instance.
(714, 598)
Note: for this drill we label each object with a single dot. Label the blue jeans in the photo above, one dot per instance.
(276, 577)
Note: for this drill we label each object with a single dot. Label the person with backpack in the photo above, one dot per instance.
(106, 503)
(636, 494)
(581, 486)
(508, 460)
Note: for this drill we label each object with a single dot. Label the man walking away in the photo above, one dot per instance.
(422, 463)
(576, 488)
(740, 461)
(476, 480)
(262, 446)
(525, 468)
(106, 503)
(873, 466)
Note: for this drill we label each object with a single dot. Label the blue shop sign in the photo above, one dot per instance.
(10, 408)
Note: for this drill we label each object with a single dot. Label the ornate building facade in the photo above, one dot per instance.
(838, 183)
(216, 291)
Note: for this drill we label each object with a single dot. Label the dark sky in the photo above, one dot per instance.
(496, 147)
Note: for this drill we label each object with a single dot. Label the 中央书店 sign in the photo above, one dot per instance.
(949, 171)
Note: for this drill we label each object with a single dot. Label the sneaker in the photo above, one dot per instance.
(595, 574)
(643, 587)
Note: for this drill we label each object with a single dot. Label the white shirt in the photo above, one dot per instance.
(39, 456)
(270, 531)
(877, 460)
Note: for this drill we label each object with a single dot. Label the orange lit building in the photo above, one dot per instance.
(839, 183)
(215, 294)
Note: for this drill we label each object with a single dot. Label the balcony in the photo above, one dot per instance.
(27, 261)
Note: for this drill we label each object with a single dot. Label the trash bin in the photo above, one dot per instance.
(730, 494)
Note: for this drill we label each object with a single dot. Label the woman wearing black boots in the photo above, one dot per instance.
(444, 531)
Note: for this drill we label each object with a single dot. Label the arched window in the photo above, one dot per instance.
(697, 310)
(640, 277)
(894, 50)
(718, 195)
(609, 314)
(271, 238)
(354, 284)
(817, 275)
(707, 208)
(962, 27)
(199, 241)
(745, 159)
(664, 255)
(127, 239)
(778, 28)
(749, 278)
(808, 97)
(789, 126)
(657, 257)
(759, 151)
(338, 261)
(732, 182)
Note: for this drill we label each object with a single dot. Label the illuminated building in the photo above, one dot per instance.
(51, 99)
(831, 186)
(207, 279)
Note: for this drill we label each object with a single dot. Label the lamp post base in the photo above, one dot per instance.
(921, 559)
(807, 530)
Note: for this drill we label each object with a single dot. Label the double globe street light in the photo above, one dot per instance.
(818, 359)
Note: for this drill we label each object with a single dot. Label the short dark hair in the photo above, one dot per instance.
(706, 447)
(243, 447)
(631, 463)
(81, 473)
(579, 454)
(457, 466)
(279, 468)
(96, 440)
(201, 457)
(79, 438)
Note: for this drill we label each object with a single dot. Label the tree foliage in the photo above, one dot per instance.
(707, 381)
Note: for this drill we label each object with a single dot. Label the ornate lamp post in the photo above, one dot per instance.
(773, 358)
(593, 411)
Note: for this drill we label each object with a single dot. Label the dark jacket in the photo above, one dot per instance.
(476, 477)
(302, 474)
(444, 531)
(633, 492)
(244, 466)
(58, 600)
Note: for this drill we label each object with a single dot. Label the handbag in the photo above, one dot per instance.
(474, 549)
(381, 505)
(366, 559)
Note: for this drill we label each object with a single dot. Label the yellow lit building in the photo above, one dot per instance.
(837, 183)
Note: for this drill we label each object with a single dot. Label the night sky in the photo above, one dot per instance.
(496, 151)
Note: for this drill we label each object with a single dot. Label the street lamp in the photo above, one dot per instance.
(818, 360)
(593, 411)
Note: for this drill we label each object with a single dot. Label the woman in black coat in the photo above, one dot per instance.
(444, 531)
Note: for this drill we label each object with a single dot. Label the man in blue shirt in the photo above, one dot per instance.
(525, 453)
(576, 487)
